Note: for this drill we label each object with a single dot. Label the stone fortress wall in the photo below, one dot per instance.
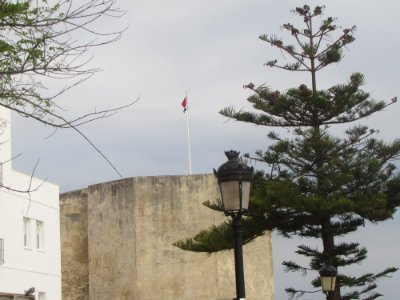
(116, 243)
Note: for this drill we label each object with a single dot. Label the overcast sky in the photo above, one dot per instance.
(209, 49)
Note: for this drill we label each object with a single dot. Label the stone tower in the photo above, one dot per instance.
(116, 243)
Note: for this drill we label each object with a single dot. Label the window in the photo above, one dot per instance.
(1, 251)
(33, 234)
(39, 235)
(42, 296)
(1, 174)
(27, 233)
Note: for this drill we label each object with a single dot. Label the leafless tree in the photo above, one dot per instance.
(45, 40)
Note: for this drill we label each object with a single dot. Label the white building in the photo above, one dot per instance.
(30, 266)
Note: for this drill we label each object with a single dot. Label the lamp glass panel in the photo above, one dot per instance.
(245, 194)
(328, 284)
(230, 195)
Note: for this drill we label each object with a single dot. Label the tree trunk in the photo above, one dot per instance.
(329, 250)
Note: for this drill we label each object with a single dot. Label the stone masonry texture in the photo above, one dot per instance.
(117, 243)
(74, 246)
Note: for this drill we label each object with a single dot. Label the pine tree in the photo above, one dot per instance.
(316, 185)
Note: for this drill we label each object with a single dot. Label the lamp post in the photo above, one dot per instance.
(328, 275)
(234, 178)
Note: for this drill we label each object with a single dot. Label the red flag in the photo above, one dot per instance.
(184, 104)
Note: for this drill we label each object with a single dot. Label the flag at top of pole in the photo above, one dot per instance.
(185, 104)
(185, 108)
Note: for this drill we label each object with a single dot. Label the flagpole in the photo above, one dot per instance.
(188, 137)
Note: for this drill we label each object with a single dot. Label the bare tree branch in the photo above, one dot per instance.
(40, 41)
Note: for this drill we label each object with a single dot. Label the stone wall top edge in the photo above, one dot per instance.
(74, 193)
(140, 178)
(128, 179)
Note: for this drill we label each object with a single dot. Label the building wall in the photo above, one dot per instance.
(74, 245)
(27, 266)
(131, 225)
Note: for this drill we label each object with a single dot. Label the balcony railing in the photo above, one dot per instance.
(1, 251)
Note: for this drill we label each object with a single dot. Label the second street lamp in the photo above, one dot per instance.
(234, 178)
(328, 275)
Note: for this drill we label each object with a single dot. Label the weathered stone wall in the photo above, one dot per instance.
(112, 240)
(131, 226)
(74, 245)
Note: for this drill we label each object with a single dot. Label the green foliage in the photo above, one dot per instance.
(302, 106)
(218, 238)
(317, 185)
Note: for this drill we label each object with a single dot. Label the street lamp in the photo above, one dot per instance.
(234, 178)
(328, 275)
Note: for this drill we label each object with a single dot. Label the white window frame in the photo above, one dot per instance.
(27, 232)
(41, 296)
(33, 234)
(1, 251)
(39, 235)
(1, 174)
